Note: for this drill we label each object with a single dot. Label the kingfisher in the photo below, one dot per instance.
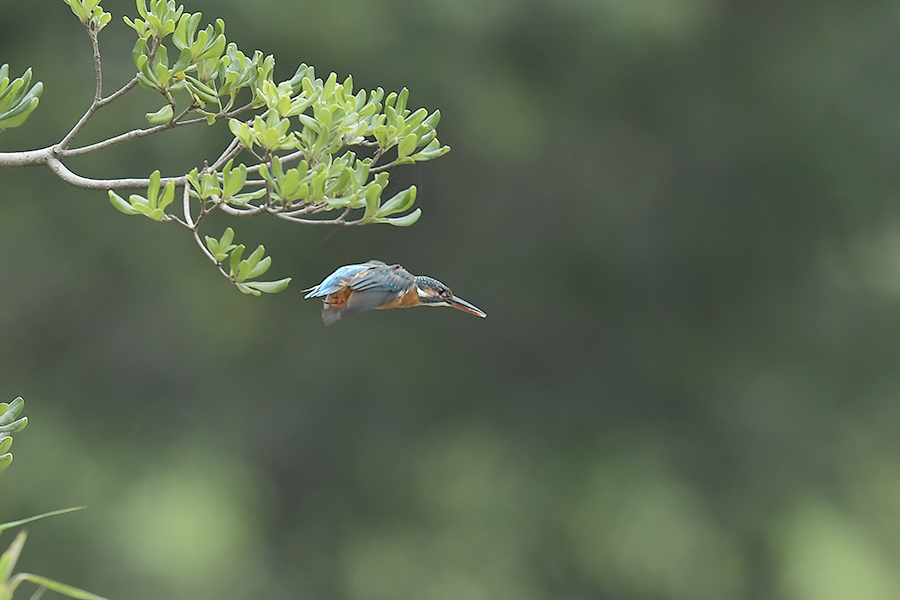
(374, 284)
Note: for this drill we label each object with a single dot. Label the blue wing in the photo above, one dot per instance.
(392, 278)
(343, 277)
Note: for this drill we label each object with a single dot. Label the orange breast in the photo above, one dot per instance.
(410, 298)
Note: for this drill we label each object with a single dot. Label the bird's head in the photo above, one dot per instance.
(434, 293)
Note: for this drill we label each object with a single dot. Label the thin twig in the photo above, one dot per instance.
(99, 101)
(98, 92)
(98, 69)
(221, 115)
(306, 210)
(206, 251)
(128, 136)
(375, 158)
(230, 152)
(383, 167)
(170, 217)
(119, 92)
(212, 258)
(283, 159)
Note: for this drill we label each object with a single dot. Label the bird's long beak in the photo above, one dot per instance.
(457, 302)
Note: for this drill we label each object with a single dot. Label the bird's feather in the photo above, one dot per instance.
(341, 278)
(358, 302)
(394, 278)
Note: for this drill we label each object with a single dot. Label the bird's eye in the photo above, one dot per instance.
(445, 293)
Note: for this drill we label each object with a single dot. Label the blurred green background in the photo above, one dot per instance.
(682, 218)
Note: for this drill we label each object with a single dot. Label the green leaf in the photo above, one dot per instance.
(17, 100)
(153, 189)
(407, 145)
(432, 150)
(8, 559)
(100, 19)
(433, 119)
(246, 267)
(78, 10)
(140, 203)
(405, 220)
(15, 426)
(236, 259)
(246, 289)
(242, 132)
(268, 287)
(310, 122)
(233, 179)
(5, 460)
(400, 202)
(168, 195)
(277, 171)
(121, 204)
(60, 588)
(209, 185)
(260, 268)
(162, 116)
(414, 120)
(257, 255)
(373, 195)
(10, 411)
(227, 237)
(241, 199)
(212, 244)
(52, 513)
(323, 116)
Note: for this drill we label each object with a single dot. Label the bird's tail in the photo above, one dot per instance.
(330, 314)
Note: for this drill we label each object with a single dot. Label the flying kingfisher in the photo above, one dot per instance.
(374, 284)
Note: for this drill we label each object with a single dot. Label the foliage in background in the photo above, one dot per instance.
(314, 146)
(8, 580)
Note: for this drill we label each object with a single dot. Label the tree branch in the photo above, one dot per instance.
(28, 158)
(188, 218)
(69, 177)
(239, 212)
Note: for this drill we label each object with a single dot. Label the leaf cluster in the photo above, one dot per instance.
(90, 13)
(9, 582)
(153, 205)
(18, 98)
(242, 270)
(315, 143)
(307, 150)
(9, 424)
